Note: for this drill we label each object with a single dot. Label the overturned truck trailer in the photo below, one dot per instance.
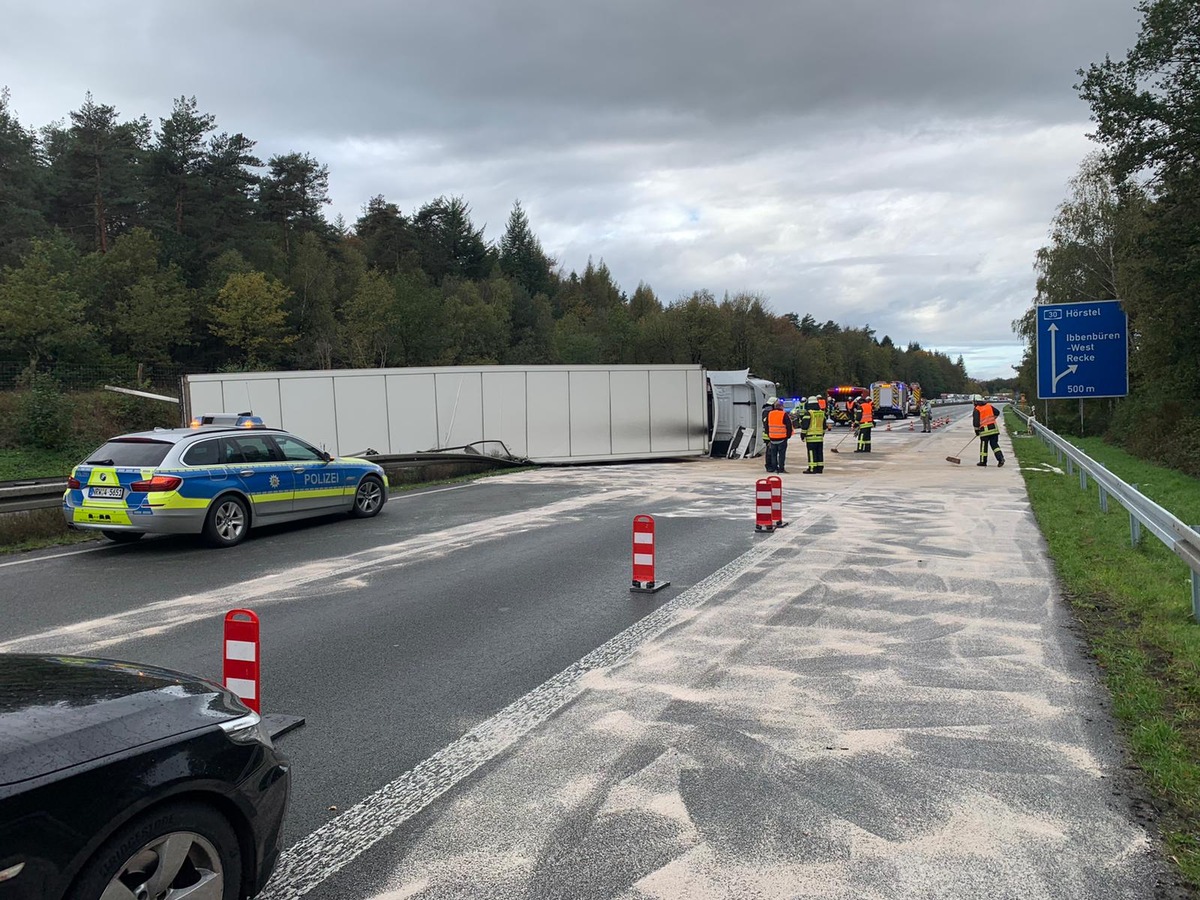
(738, 398)
(547, 414)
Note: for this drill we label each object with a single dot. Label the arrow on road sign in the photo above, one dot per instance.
(1053, 329)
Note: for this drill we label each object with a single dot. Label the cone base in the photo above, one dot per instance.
(648, 587)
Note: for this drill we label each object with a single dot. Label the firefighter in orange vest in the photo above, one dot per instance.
(984, 418)
(777, 425)
(864, 418)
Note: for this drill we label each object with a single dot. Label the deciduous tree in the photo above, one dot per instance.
(249, 316)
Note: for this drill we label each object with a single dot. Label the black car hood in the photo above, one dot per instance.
(63, 711)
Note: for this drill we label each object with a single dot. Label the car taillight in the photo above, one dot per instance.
(73, 483)
(157, 483)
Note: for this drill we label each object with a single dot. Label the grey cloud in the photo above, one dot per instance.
(862, 160)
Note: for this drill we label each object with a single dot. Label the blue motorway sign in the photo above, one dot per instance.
(1082, 350)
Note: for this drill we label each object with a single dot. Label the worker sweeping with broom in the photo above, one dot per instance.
(984, 418)
(864, 420)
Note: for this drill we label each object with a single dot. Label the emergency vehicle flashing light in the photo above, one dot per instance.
(238, 420)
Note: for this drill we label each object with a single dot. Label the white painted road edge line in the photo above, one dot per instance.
(37, 559)
(392, 498)
(324, 852)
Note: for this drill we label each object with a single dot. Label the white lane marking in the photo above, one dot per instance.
(336, 844)
(94, 635)
(37, 559)
(392, 498)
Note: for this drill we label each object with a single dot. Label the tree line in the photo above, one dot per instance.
(124, 243)
(1129, 229)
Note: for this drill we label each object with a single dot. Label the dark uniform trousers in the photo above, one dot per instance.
(864, 437)
(990, 440)
(816, 455)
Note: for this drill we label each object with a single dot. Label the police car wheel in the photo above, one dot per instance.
(124, 537)
(228, 521)
(368, 499)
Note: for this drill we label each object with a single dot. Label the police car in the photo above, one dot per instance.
(221, 477)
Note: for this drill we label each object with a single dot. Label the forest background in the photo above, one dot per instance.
(130, 247)
(1130, 229)
(132, 252)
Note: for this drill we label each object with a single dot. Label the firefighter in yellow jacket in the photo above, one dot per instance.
(864, 419)
(984, 418)
(813, 426)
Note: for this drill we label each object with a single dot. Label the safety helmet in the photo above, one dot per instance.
(772, 400)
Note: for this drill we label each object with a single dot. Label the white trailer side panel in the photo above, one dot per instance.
(307, 406)
(360, 405)
(591, 429)
(697, 411)
(459, 407)
(630, 415)
(547, 413)
(668, 411)
(546, 399)
(412, 414)
(505, 411)
(206, 397)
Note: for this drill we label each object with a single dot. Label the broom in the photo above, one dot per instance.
(843, 440)
(955, 459)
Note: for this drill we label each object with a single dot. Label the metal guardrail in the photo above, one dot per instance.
(1180, 538)
(46, 493)
(34, 493)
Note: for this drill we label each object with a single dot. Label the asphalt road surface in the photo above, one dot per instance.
(884, 699)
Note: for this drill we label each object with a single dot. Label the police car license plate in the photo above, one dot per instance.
(110, 493)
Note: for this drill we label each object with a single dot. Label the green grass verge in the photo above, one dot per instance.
(1134, 605)
(18, 464)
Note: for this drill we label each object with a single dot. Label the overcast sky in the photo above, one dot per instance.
(868, 161)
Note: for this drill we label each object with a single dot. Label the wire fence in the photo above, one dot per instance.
(164, 379)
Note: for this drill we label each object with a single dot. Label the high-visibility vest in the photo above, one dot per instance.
(987, 419)
(867, 413)
(813, 424)
(777, 425)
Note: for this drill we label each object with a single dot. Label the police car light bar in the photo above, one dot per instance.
(237, 420)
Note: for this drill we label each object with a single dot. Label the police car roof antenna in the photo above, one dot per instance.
(955, 459)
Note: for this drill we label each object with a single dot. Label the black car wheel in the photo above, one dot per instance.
(175, 851)
(368, 499)
(228, 521)
(124, 537)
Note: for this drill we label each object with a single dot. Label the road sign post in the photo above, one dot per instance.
(1082, 350)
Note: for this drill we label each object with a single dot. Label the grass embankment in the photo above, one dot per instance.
(19, 464)
(1134, 605)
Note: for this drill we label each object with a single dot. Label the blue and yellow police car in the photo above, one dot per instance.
(221, 477)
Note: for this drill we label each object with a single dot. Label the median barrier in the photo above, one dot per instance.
(241, 655)
(764, 515)
(643, 557)
(776, 484)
